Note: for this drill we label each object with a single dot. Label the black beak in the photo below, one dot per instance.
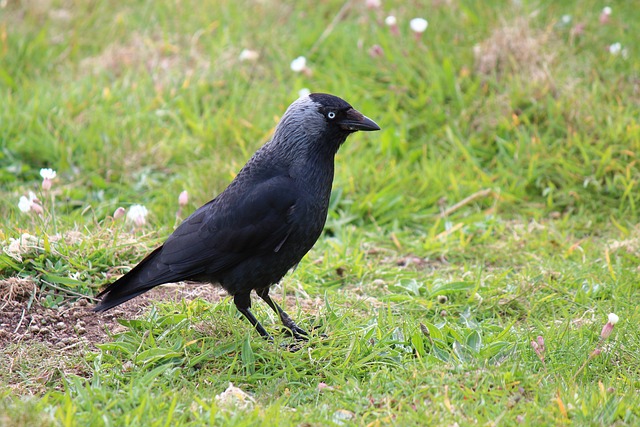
(355, 121)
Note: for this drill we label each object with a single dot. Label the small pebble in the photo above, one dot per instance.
(378, 283)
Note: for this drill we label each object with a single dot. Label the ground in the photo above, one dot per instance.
(476, 249)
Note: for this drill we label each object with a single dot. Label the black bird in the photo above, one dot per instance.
(264, 222)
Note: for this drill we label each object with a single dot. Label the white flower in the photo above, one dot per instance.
(299, 64)
(138, 215)
(613, 318)
(606, 10)
(233, 396)
(418, 25)
(566, 19)
(29, 203)
(248, 55)
(303, 92)
(615, 48)
(47, 173)
(390, 20)
(17, 247)
(24, 204)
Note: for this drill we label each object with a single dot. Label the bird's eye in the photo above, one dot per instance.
(331, 115)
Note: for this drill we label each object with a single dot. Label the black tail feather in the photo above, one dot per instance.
(110, 300)
(144, 277)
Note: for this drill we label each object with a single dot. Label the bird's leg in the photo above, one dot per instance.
(298, 333)
(243, 304)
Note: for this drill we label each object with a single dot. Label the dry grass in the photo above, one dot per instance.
(516, 49)
(166, 58)
(16, 288)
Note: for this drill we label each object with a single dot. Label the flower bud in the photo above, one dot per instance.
(183, 198)
(37, 208)
(608, 327)
(119, 213)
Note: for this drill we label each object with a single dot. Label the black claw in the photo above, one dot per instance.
(298, 333)
(292, 348)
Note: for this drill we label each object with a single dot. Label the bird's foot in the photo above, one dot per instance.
(292, 347)
(298, 333)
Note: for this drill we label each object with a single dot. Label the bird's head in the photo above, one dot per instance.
(338, 114)
(320, 121)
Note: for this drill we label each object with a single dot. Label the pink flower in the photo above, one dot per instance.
(30, 203)
(119, 213)
(373, 4)
(37, 208)
(183, 198)
(578, 29)
(376, 51)
(538, 347)
(48, 175)
(324, 386)
(392, 23)
(605, 15)
(607, 329)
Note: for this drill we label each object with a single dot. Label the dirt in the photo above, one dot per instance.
(40, 345)
(24, 319)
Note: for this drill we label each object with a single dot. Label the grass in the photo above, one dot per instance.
(499, 203)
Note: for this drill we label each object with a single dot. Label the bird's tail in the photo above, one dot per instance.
(145, 276)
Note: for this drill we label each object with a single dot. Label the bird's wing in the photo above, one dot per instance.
(231, 228)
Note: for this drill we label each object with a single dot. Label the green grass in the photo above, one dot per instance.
(134, 102)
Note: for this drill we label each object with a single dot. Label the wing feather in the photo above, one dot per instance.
(229, 230)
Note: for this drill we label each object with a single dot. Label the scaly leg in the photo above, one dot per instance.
(243, 304)
(298, 333)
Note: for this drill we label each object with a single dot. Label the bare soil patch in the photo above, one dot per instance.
(74, 324)
(39, 345)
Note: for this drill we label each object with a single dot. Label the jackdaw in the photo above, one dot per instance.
(264, 222)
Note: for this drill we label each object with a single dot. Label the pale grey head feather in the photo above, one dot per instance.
(300, 125)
